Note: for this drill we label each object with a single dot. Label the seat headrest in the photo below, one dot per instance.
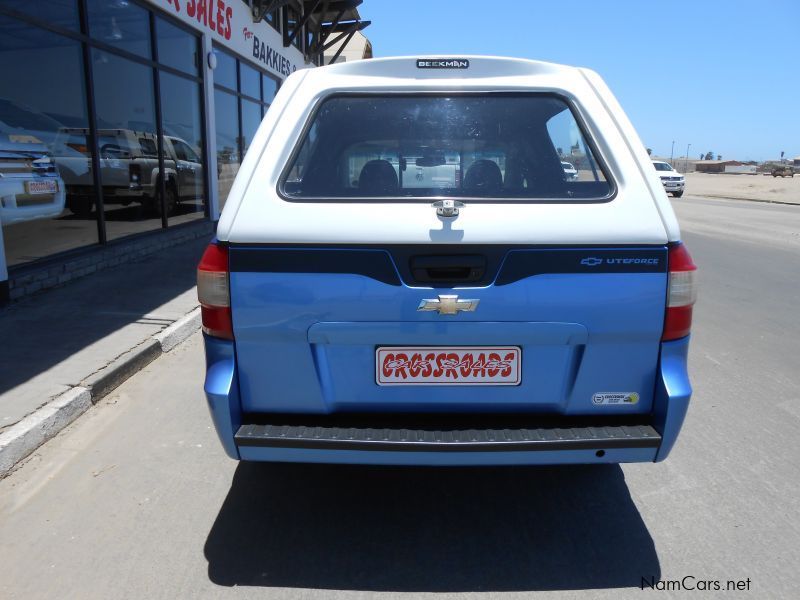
(378, 178)
(483, 176)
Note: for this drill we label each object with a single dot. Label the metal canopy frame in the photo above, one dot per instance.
(328, 21)
(260, 8)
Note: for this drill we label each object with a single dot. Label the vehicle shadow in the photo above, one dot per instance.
(429, 529)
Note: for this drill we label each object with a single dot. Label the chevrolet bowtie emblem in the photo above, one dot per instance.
(448, 305)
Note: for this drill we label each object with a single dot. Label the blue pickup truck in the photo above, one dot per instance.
(404, 273)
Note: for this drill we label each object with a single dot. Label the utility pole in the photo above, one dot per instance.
(686, 165)
(671, 154)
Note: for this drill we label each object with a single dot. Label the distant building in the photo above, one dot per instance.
(796, 161)
(723, 166)
(357, 48)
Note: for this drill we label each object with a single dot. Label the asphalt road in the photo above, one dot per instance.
(137, 500)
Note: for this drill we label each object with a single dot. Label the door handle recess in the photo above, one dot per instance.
(448, 268)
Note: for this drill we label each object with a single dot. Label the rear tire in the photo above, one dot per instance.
(80, 206)
(171, 201)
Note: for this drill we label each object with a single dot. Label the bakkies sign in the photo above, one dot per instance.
(230, 25)
(268, 56)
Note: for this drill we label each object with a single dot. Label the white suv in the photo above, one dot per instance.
(673, 181)
(30, 186)
(570, 172)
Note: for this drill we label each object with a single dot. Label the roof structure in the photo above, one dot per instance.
(717, 162)
(330, 23)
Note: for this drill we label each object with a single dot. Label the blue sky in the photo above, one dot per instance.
(721, 76)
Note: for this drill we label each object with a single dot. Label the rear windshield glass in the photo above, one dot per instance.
(491, 146)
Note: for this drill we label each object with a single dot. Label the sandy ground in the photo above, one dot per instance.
(747, 187)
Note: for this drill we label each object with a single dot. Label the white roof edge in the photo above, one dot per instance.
(396, 66)
(637, 150)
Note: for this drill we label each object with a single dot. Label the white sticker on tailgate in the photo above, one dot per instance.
(606, 398)
(448, 365)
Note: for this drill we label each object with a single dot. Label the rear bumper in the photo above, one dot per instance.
(454, 445)
(17, 206)
(325, 439)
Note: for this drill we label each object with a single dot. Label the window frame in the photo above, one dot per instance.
(241, 96)
(602, 163)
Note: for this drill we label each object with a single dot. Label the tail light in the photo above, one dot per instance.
(135, 174)
(213, 291)
(681, 293)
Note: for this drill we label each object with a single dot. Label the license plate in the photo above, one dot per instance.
(448, 365)
(41, 187)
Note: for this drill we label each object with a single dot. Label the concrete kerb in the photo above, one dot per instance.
(35, 429)
(121, 368)
(22, 439)
(179, 330)
(719, 197)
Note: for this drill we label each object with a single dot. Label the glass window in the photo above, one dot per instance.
(128, 145)
(232, 103)
(63, 13)
(184, 152)
(497, 146)
(248, 78)
(123, 25)
(45, 179)
(227, 126)
(272, 19)
(225, 72)
(251, 119)
(183, 130)
(177, 48)
(269, 87)
(149, 148)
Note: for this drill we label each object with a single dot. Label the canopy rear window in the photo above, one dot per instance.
(492, 146)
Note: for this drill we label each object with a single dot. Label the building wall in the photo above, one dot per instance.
(358, 48)
(719, 168)
(140, 74)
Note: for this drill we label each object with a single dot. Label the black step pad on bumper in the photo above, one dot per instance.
(448, 440)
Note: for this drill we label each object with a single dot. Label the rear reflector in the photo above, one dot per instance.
(213, 292)
(681, 294)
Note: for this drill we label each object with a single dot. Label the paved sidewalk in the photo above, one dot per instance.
(68, 337)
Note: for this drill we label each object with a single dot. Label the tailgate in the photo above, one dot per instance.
(314, 326)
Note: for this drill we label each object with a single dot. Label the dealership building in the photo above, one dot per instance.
(124, 122)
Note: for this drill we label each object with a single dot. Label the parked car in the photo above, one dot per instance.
(782, 171)
(570, 171)
(673, 182)
(506, 315)
(30, 186)
(129, 169)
